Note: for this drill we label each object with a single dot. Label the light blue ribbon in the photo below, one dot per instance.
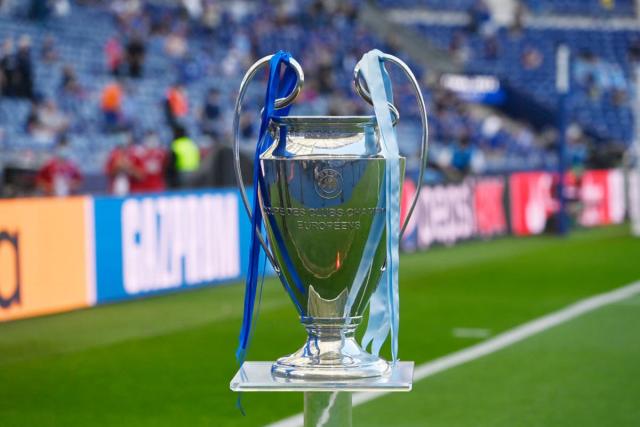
(384, 315)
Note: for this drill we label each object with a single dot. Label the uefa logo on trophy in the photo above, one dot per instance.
(325, 210)
(329, 183)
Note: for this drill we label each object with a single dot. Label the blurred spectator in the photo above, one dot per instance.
(59, 176)
(524, 139)
(135, 56)
(52, 118)
(617, 84)
(479, 16)
(176, 104)
(114, 55)
(491, 47)
(23, 78)
(211, 15)
(211, 113)
(231, 63)
(153, 159)
(7, 68)
(633, 52)
(547, 138)
(597, 77)
(462, 155)
(126, 11)
(585, 71)
(46, 122)
(458, 48)
(325, 72)
(49, 51)
(111, 105)
(247, 126)
(531, 58)
(39, 10)
(518, 17)
(16, 68)
(175, 45)
(193, 8)
(123, 168)
(61, 7)
(35, 128)
(576, 147)
(183, 161)
(69, 85)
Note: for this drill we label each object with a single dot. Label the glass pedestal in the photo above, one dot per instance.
(326, 402)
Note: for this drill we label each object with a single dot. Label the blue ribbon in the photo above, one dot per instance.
(279, 85)
(384, 315)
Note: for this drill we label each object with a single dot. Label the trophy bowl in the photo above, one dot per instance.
(321, 195)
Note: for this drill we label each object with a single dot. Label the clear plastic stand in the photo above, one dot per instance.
(256, 376)
(326, 403)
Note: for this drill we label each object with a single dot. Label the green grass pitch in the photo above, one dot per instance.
(167, 361)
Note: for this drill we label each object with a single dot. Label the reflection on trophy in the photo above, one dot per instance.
(322, 198)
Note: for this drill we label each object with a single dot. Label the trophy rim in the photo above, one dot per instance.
(324, 120)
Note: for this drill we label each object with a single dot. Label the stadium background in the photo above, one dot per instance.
(87, 82)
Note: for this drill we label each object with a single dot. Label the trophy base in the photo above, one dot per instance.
(330, 353)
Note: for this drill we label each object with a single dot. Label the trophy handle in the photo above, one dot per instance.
(364, 93)
(279, 103)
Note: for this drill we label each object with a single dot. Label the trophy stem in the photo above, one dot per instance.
(330, 353)
(327, 409)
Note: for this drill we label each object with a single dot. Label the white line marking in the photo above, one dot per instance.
(324, 418)
(471, 333)
(505, 339)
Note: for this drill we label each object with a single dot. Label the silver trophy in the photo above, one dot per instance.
(320, 197)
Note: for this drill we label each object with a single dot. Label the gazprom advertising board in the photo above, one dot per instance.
(170, 241)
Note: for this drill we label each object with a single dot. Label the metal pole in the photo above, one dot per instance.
(562, 88)
(327, 409)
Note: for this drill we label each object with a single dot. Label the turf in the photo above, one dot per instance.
(168, 360)
(583, 373)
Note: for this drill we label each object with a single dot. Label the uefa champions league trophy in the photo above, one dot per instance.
(327, 193)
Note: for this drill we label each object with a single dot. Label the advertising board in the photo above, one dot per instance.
(446, 214)
(45, 246)
(156, 243)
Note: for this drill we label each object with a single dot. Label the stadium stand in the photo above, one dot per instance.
(214, 57)
(523, 56)
(527, 61)
(209, 49)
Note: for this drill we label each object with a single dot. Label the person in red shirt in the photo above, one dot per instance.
(124, 169)
(59, 176)
(152, 159)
